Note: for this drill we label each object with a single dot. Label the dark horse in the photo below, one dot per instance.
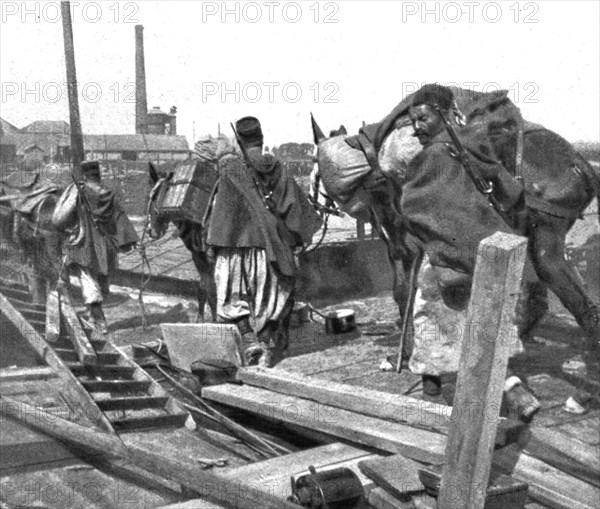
(438, 208)
(26, 209)
(191, 233)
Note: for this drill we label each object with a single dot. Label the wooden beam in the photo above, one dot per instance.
(485, 348)
(398, 475)
(25, 374)
(393, 407)
(76, 396)
(422, 445)
(77, 149)
(547, 485)
(81, 343)
(52, 316)
(188, 473)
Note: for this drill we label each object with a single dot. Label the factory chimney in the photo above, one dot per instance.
(141, 103)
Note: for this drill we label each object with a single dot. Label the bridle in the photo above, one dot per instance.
(152, 208)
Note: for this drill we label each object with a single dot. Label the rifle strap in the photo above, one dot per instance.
(519, 154)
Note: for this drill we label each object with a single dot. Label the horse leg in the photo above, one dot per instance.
(547, 245)
(207, 289)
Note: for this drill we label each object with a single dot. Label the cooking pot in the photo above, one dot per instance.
(340, 320)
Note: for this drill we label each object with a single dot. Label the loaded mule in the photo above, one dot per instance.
(27, 202)
(435, 208)
(181, 195)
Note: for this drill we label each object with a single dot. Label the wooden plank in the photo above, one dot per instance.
(53, 316)
(149, 422)
(81, 343)
(393, 407)
(485, 348)
(396, 474)
(273, 475)
(190, 474)
(78, 399)
(419, 444)
(23, 374)
(112, 370)
(131, 403)
(115, 385)
(189, 342)
(547, 484)
(20, 446)
(380, 499)
(565, 453)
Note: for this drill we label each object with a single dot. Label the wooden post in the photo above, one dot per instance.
(486, 344)
(77, 150)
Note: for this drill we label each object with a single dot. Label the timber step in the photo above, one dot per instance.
(127, 397)
(16, 294)
(148, 422)
(117, 386)
(27, 306)
(79, 369)
(67, 354)
(132, 403)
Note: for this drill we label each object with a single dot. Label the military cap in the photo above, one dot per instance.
(249, 131)
(434, 95)
(89, 166)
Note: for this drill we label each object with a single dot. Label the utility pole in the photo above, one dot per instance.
(77, 152)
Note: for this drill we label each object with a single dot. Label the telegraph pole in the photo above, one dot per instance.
(77, 152)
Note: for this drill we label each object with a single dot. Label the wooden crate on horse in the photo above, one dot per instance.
(188, 193)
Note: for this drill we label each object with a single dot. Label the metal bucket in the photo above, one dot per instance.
(340, 321)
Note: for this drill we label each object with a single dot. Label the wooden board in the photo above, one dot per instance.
(274, 475)
(383, 435)
(26, 374)
(191, 342)
(71, 323)
(393, 407)
(547, 484)
(20, 446)
(381, 499)
(53, 316)
(395, 474)
(485, 349)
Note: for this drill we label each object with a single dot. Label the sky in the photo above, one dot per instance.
(345, 61)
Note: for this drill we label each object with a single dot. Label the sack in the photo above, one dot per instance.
(65, 217)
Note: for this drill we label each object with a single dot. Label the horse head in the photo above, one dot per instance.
(159, 182)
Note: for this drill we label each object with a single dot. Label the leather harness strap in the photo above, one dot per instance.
(369, 150)
(552, 209)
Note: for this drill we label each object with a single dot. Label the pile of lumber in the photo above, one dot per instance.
(434, 446)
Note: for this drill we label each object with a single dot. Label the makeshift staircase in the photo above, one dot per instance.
(104, 384)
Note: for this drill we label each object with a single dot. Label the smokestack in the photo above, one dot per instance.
(141, 103)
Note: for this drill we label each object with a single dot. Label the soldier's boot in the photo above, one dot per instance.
(251, 349)
(97, 318)
(268, 339)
